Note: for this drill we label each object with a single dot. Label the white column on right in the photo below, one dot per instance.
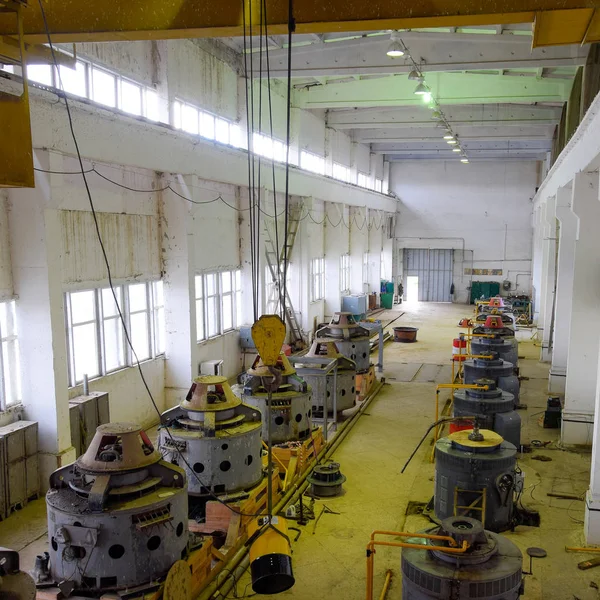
(564, 290)
(548, 276)
(584, 334)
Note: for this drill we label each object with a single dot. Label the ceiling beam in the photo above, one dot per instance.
(447, 88)
(465, 116)
(472, 158)
(92, 20)
(367, 55)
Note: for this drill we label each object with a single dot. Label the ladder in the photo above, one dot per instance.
(276, 265)
(479, 502)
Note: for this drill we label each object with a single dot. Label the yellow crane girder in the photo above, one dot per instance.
(556, 21)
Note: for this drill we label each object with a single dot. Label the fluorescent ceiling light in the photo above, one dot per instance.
(395, 49)
(420, 90)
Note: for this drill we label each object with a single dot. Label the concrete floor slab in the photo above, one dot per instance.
(331, 563)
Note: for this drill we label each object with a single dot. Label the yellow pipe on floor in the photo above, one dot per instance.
(386, 584)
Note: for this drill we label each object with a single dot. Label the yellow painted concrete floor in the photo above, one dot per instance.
(331, 562)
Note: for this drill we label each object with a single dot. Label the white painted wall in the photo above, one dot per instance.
(152, 233)
(483, 207)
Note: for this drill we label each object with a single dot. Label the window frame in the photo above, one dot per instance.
(345, 266)
(7, 337)
(127, 356)
(236, 302)
(317, 279)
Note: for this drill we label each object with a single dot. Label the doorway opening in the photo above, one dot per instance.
(412, 289)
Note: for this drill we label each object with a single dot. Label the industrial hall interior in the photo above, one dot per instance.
(299, 300)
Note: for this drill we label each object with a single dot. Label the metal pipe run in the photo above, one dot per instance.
(237, 565)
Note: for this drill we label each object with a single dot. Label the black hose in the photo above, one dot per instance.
(440, 421)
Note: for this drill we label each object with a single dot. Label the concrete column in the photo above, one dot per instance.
(584, 335)
(548, 275)
(179, 289)
(328, 151)
(536, 278)
(353, 162)
(386, 176)
(564, 290)
(35, 234)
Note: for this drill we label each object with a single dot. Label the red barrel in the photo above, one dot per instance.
(459, 349)
(458, 427)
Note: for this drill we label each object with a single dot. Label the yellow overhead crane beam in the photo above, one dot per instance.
(555, 21)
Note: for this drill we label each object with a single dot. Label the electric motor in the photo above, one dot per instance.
(473, 474)
(490, 568)
(291, 403)
(117, 516)
(494, 409)
(351, 339)
(324, 386)
(496, 369)
(218, 436)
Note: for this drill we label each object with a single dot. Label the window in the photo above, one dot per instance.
(211, 282)
(10, 383)
(363, 180)
(40, 74)
(151, 109)
(222, 131)
(379, 185)
(311, 162)
(345, 273)
(341, 172)
(189, 119)
(200, 330)
(158, 317)
(218, 303)
(131, 98)
(317, 279)
(74, 81)
(207, 125)
(365, 267)
(238, 137)
(104, 87)
(95, 337)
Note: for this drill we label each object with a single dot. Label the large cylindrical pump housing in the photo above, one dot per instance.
(490, 569)
(496, 369)
(475, 473)
(494, 409)
(291, 403)
(339, 386)
(215, 438)
(351, 339)
(117, 517)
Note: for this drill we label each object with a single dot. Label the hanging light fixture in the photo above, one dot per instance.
(451, 142)
(395, 49)
(414, 75)
(448, 136)
(456, 149)
(464, 160)
(420, 90)
(436, 114)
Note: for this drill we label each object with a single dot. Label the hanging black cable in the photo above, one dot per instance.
(249, 132)
(109, 271)
(291, 29)
(278, 283)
